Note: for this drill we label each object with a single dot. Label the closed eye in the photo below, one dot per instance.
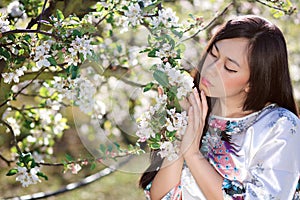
(229, 70)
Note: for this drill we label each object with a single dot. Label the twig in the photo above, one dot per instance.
(72, 186)
(210, 23)
(6, 160)
(16, 94)
(29, 31)
(131, 82)
(82, 160)
(41, 16)
(103, 18)
(13, 135)
(274, 7)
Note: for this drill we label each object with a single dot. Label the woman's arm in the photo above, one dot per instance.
(166, 178)
(207, 178)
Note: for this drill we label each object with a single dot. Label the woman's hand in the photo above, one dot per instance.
(196, 119)
(185, 104)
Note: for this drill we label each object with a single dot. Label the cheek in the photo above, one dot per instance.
(235, 83)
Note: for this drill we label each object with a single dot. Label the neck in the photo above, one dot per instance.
(227, 108)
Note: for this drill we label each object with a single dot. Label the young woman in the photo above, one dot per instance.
(247, 129)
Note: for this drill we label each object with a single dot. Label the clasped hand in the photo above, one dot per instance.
(197, 111)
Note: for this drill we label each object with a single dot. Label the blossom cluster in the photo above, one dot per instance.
(163, 125)
(166, 17)
(27, 177)
(135, 15)
(166, 51)
(79, 90)
(79, 46)
(15, 9)
(14, 76)
(162, 128)
(41, 54)
(182, 81)
(4, 24)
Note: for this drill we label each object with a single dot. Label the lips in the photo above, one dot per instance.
(205, 82)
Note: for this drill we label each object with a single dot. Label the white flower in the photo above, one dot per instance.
(168, 150)
(14, 76)
(144, 131)
(15, 9)
(27, 178)
(80, 45)
(14, 125)
(134, 14)
(4, 24)
(165, 17)
(168, 17)
(75, 168)
(42, 61)
(8, 77)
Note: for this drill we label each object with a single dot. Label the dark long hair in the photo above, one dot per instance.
(269, 79)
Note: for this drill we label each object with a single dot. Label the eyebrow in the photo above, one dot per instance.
(230, 59)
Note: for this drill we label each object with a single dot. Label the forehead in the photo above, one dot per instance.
(235, 49)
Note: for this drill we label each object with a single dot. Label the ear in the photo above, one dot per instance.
(247, 88)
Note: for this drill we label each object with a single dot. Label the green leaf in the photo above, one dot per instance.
(110, 19)
(93, 166)
(171, 133)
(154, 145)
(40, 174)
(20, 60)
(145, 50)
(148, 87)
(151, 7)
(33, 163)
(12, 172)
(179, 34)
(102, 148)
(192, 16)
(76, 33)
(52, 61)
(27, 158)
(44, 91)
(60, 15)
(4, 53)
(69, 157)
(109, 148)
(27, 38)
(73, 71)
(161, 78)
(152, 53)
(11, 37)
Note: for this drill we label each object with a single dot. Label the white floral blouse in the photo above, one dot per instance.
(259, 159)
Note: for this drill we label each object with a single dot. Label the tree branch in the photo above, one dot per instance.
(210, 23)
(287, 12)
(16, 94)
(41, 15)
(13, 135)
(6, 160)
(72, 186)
(29, 31)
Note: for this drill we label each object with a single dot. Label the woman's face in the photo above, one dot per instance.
(225, 72)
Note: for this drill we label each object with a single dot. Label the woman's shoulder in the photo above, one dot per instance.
(280, 117)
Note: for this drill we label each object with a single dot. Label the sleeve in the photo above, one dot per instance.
(173, 194)
(273, 166)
